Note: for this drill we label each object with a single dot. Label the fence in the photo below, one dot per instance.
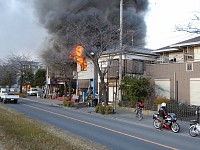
(182, 111)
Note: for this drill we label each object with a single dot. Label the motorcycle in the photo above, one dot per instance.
(194, 129)
(168, 123)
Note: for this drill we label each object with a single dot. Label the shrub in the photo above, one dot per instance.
(66, 98)
(67, 102)
(97, 108)
(108, 109)
(23, 95)
(104, 109)
(135, 88)
(132, 104)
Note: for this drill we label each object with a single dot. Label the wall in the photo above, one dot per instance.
(166, 71)
(89, 74)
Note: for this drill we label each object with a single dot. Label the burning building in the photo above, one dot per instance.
(93, 24)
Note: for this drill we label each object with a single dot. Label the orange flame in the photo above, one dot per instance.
(77, 56)
(79, 50)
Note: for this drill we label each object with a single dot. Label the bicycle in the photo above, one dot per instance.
(139, 114)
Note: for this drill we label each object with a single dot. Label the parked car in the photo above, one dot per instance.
(32, 92)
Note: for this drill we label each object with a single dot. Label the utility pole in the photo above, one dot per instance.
(120, 49)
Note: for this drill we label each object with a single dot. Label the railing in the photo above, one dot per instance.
(183, 111)
(163, 60)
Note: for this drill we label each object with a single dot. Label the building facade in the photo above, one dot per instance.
(58, 80)
(176, 73)
(134, 62)
(86, 84)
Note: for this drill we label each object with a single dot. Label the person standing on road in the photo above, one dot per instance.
(162, 114)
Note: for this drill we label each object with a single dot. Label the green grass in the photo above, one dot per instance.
(22, 133)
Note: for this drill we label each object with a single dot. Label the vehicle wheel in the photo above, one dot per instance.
(140, 116)
(193, 131)
(175, 127)
(15, 101)
(156, 123)
(4, 101)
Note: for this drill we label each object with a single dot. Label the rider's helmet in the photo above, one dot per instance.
(163, 105)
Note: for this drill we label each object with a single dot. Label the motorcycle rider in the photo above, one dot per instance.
(162, 114)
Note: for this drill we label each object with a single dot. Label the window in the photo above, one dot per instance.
(189, 66)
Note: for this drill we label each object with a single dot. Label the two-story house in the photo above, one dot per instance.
(176, 73)
(134, 62)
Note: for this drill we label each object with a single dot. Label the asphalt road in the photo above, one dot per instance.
(114, 132)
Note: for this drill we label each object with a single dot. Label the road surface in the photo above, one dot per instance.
(112, 132)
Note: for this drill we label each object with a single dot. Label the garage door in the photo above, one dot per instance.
(194, 91)
(162, 87)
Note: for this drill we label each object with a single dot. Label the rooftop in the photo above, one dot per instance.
(175, 47)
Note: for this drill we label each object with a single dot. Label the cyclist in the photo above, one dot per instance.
(139, 108)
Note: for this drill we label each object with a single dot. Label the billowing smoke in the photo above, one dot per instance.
(55, 13)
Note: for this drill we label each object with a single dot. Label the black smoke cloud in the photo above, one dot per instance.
(52, 12)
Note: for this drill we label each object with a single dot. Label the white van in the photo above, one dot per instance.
(32, 91)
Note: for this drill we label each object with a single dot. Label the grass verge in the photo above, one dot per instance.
(20, 132)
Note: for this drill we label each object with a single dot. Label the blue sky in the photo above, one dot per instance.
(20, 31)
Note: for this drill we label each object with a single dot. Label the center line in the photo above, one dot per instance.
(105, 128)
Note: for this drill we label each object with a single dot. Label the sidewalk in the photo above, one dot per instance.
(119, 115)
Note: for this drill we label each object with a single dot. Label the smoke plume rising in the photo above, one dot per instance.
(55, 13)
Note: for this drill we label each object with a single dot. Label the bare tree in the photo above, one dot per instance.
(19, 64)
(7, 76)
(192, 27)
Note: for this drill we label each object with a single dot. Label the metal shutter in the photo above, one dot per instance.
(194, 91)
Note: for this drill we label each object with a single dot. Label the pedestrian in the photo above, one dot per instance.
(96, 97)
